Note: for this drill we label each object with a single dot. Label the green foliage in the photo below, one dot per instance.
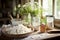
(43, 20)
(27, 8)
(34, 12)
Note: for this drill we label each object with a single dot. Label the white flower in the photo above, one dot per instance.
(18, 5)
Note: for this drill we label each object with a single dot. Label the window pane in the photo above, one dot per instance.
(47, 7)
(57, 9)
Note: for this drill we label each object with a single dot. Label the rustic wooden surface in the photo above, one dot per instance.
(40, 36)
(32, 37)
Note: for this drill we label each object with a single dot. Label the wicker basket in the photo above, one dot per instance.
(16, 35)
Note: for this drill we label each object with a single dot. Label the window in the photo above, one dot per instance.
(47, 6)
(57, 9)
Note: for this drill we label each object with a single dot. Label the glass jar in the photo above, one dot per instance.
(50, 21)
(36, 22)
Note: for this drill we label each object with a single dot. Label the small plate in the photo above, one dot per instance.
(54, 31)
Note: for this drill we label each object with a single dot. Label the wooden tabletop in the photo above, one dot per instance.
(33, 37)
(40, 36)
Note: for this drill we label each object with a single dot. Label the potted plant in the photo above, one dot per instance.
(26, 10)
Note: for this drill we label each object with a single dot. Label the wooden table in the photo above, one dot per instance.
(41, 36)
